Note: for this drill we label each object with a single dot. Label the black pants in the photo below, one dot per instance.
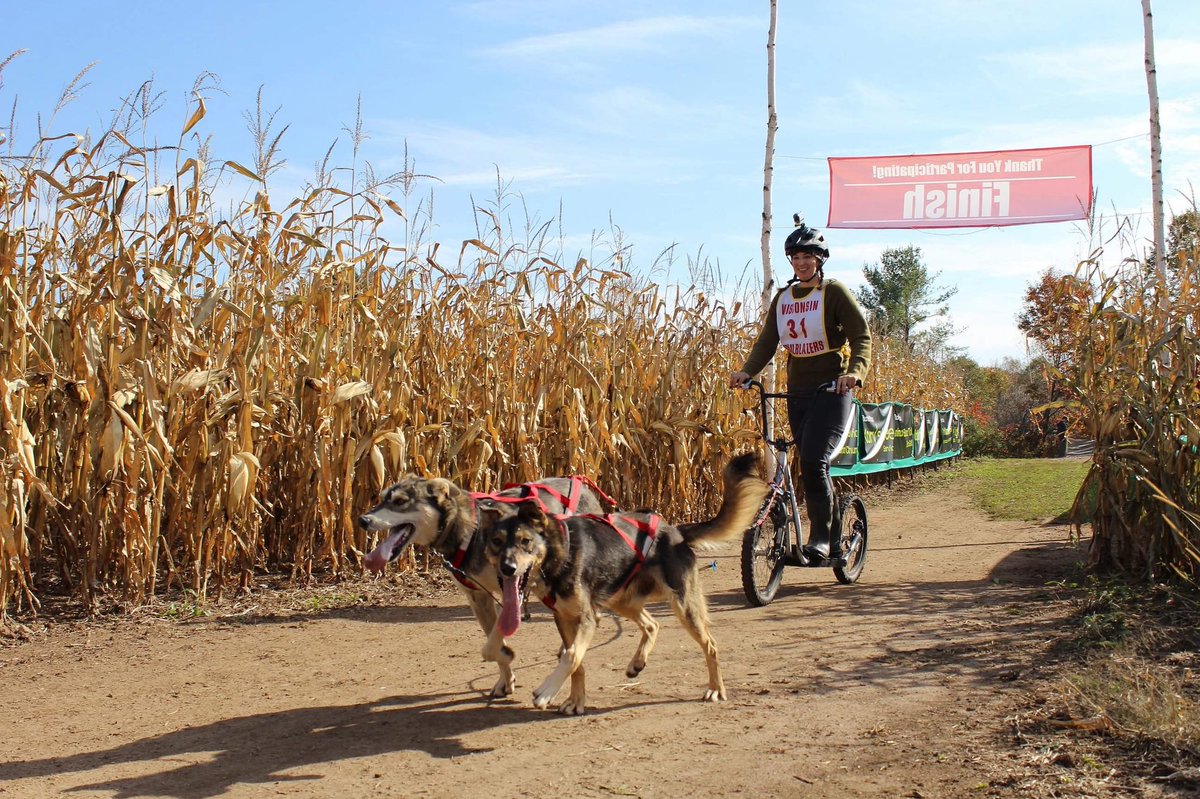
(818, 420)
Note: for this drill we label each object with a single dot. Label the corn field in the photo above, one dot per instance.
(1138, 382)
(193, 395)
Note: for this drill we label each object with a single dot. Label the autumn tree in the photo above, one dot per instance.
(1053, 316)
(984, 386)
(1183, 237)
(900, 294)
(997, 414)
(1183, 250)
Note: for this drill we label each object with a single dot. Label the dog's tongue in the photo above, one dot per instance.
(510, 609)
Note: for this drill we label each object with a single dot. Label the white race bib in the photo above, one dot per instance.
(802, 323)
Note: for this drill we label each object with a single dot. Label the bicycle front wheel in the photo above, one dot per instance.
(763, 548)
(852, 527)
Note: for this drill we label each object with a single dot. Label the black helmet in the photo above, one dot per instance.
(806, 239)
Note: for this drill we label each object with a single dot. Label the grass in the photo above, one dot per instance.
(1103, 620)
(1138, 677)
(1123, 705)
(1034, 489)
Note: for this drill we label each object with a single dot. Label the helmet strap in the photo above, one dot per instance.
(820, 277)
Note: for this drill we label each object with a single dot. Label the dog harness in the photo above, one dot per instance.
(570, 502)
(638, 533)
(530, 492)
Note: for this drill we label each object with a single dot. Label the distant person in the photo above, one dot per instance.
(1060, 431)
(813, 318)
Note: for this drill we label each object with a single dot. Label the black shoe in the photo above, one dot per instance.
(817, 552)
(837, 557)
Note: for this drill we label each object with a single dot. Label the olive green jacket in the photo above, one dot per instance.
(844, 322)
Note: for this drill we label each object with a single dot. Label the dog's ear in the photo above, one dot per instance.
(494, 513)
(531, 513)
(440, 488)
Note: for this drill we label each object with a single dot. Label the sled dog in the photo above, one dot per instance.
(453, 522)
(583, 563)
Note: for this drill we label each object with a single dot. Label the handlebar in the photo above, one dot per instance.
(764, 395)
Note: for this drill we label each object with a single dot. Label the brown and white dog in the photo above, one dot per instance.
(454, 523)
(621, 562)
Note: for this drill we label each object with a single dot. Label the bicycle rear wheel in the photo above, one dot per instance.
(852, 527)
(763, 548)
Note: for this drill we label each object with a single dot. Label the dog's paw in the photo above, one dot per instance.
(503, 687)
(714, 695)
(572, 707)
(544, 694)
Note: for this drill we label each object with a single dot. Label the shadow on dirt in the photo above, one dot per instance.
(373, 614)
(907, 634)
(278, 747)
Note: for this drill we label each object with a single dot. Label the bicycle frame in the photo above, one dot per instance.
(765, 547)
(781, 483)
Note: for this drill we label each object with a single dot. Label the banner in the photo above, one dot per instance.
(846, 453)
(920, 438)
(1080, 447)
(902, 432)
(893, 435)
(877, 433)
(984, 189)
(951, 432)
(932, 446)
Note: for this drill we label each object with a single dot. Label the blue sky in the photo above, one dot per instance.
(652, 116)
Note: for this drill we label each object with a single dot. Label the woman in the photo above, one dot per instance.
(813, 319)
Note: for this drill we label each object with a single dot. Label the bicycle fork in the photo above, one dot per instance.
(793, 510)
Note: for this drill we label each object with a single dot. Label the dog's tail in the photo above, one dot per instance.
(744, 495)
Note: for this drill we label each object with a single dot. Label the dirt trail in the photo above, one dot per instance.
(898, 686)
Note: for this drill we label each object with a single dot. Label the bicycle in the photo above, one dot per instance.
(766, 545)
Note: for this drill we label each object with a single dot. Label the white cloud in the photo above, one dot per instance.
(530, 176)
(792, 173)
(629, 112)
(1097, 69)
(1176, 55)
(456, 154)
(989, 333)
(545, 159)
(1090, 68)
(646, 34)
(516, 9)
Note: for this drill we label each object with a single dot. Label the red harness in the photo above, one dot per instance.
(533, 492)
(570, 502)
(640, 539)
(530, 492)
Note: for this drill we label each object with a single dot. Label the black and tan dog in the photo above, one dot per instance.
(454, 523)
(620, 562)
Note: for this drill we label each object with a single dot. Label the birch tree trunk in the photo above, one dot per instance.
(1160, 269)
(768, 374)
(768, 162)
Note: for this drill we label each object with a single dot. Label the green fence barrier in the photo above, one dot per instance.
(894, 435)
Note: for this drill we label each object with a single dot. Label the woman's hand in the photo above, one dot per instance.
(738, 380)
(846, 384)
